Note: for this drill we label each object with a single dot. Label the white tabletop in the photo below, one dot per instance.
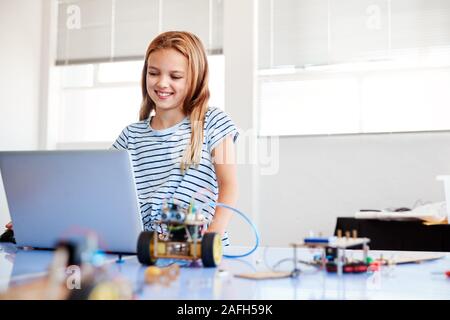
(404, 281)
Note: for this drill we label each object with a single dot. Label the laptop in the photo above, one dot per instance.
(56, 195)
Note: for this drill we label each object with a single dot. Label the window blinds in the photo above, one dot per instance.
(305, 33)
(114, 30)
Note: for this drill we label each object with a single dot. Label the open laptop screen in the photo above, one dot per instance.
(57, 194)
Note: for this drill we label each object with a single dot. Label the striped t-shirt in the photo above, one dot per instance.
(156, 155)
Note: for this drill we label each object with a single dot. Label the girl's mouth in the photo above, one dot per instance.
(163, 95)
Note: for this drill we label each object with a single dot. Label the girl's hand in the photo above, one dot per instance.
(9, 226)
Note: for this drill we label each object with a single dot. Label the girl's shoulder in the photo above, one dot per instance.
(215, 114)
(218, 125)
(138, 126)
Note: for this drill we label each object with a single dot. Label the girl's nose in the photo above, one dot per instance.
(162, 82)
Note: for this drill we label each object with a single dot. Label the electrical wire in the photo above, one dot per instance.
(218, 204)
(203, 192)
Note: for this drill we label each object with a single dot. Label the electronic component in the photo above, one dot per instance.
(333, 253)
(185, 239)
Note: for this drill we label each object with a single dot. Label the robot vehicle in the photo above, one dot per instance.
(186, 238)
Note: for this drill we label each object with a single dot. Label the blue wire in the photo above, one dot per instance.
(248, 221)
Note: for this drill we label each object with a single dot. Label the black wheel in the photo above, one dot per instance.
(145, 248)
(211, 250)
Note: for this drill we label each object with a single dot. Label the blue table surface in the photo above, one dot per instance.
(402, 281)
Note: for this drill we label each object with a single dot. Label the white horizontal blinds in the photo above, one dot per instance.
(114, 30)
(317, 32)
(300, 33)
(192, 15)
(136, 24)
(202, 17)
(265, 45)
(216, 27)
(84, 31)
(420, 27)
(293, 32)
(358, 30)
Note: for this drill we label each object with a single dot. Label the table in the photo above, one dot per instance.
(409, 281)
(398, 235)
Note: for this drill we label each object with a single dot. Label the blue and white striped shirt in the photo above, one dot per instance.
(156, 155)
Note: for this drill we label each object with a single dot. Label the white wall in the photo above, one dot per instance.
(239, 45)
(323, 177)
(20, 38)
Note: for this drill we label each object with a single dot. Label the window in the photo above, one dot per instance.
(94, 110)
(353, 66)
(100, 50)
(96, 101)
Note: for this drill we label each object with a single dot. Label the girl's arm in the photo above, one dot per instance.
(224, 160)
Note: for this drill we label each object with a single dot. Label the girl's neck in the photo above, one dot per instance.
(164, 119)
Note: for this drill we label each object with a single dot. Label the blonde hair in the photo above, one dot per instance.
(195, 104)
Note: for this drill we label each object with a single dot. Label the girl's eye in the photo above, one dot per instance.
(176, 77)
(152, 73)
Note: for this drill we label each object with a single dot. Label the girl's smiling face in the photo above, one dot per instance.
(167, 78)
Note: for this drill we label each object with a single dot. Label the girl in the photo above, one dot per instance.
(180, 146)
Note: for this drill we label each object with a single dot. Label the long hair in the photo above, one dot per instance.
(195, 104)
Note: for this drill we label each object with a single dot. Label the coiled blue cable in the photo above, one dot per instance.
(248, 221)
